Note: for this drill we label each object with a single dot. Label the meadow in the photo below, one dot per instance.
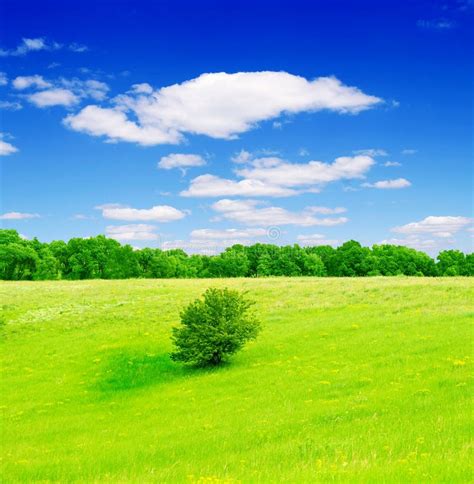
(351, 380)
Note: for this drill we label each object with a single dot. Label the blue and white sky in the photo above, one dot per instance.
(202, 124)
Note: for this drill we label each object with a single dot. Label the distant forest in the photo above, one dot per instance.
(103, 258)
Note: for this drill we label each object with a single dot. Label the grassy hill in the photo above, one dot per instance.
(352, 380)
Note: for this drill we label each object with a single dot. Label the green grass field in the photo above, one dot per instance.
(351, 380)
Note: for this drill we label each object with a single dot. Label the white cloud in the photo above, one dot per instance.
(10, 106)
(108, 205)
(392, 163)
(37, 44)
(18, 216)
(303, 152)
(242, 156)
(436, 24)
(201, 246)
(222, 105)
(389, 184)
(61, 92)
(312, 240)
(443, 227)
(223, 234)
(248, 213)
(276, 171)
(267, 152)
(75, 47)
(88, 88)
(115, 125)
(274, 177)
(265, 162)
(350, 189)
(53, 97)
(214, 186)
(34, 44)
(214, 241)
(326, 210)
(29, 45)
(143, 88)
(132, 232)
(159, 213)
(3, 79)
(6, 148)
(413, 242)
(25, 82)
(371, 152)
(408, 151)
(95, 89)
(180, 160)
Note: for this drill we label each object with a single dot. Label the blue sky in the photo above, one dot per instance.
(202, 124)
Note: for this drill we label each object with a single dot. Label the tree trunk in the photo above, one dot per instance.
(216, 358)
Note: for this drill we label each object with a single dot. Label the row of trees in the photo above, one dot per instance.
(103, 258)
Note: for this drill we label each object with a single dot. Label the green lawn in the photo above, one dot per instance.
(351, 380)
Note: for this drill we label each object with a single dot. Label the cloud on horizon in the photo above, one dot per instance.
(251, 213)
(443, 227)
(18, 216)
(132, 232)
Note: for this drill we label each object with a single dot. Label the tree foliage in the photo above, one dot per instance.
(103, 258)
(214, 327)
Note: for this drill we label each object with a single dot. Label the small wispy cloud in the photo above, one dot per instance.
(180, 160)
(371, 152)
(75, 47)
(25, 82)
(29, 45)
(243, 156)
(5, 147)
(436, 24)
(59, 92)
(18, 216)
(37, 44)
(10, 105)
(388, 184)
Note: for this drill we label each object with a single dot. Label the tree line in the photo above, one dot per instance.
(103, 258)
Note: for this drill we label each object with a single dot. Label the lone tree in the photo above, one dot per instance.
(214, 327)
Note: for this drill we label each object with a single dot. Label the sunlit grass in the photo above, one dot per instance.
(352, 380)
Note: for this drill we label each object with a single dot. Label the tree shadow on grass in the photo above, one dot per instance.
(132, 370)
